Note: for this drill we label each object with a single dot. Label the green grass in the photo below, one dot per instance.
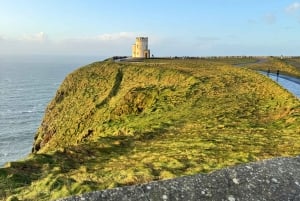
(285, 66)
(116, 124)
(295, 62)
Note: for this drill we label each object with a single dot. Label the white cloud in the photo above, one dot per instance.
(3, 38)
(293, 7)
(116, 36)
(40, 37)
(107, 44)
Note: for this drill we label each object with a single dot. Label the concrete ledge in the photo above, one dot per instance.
(274, 179)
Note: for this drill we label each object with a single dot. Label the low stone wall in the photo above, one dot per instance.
(274, 179)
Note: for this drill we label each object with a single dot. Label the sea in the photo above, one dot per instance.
(27, 84)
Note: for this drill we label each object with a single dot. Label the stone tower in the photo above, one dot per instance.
(140, 48)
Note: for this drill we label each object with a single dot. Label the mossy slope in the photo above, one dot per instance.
(114, 124)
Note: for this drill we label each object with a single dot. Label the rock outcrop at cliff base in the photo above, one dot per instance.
(274, 179)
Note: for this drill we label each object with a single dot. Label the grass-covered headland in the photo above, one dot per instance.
(122, 123)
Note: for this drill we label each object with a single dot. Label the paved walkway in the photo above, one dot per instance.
(292, 84)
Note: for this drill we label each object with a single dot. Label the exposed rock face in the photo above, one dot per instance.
(275, 179)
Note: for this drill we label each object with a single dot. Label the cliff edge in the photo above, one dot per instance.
(116, 124)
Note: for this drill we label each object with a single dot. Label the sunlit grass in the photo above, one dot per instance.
(284, 66)
(116, 124)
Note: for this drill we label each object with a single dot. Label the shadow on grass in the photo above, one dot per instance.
(92, 155)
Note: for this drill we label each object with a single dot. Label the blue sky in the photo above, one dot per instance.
(174, 28)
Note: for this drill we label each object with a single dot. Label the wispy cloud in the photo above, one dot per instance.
(3, 38)
(293, 7)
(104, 44)
(116, 36)
(270, 18)
(38, 37)
(251, 21)
(120, 37)
(207, 38)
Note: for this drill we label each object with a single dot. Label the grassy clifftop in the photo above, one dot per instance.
(115, 124)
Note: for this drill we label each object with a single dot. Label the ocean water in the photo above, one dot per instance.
(27, 85)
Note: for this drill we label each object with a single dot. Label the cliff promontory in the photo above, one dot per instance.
(115, 124)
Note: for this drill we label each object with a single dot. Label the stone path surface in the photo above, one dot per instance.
(274, 179)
